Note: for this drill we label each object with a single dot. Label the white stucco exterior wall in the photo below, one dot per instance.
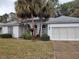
(38, 28)
(49, 31)
(16, 31)
(4, 30)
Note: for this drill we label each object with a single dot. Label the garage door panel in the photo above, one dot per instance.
(65, 33)
(55, 33)
(77, 33)
(70, 33)
(62, 33)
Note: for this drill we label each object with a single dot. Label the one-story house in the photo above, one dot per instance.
(60, 28)
(63, 28)
(17, 28)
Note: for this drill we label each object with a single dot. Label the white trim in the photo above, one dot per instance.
(64, 39)
(64, 25)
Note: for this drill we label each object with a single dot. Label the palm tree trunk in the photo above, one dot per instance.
(33, 26)
(40, 30)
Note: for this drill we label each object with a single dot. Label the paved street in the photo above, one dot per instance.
(66, 50)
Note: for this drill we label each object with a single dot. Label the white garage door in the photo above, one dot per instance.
(65, 33)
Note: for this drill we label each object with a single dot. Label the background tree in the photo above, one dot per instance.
(3, 18)
(76, 9)
(66, 8)
(76, 3)
(76, 13)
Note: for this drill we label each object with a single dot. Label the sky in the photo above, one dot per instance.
(7, 6)
(64, 1)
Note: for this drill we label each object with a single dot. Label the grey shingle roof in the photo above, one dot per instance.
(62, 20)
(12, 23)
(59, 20)
(15, 22)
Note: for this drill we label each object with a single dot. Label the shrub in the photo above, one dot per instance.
(45, 37)
(6, 36)
(27, 36)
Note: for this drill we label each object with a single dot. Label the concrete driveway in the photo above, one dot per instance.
(66, 50)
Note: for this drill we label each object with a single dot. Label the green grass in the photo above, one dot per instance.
(24, 49)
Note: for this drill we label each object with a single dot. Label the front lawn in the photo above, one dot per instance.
(24, 49)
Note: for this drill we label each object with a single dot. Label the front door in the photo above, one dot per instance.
(10, 29)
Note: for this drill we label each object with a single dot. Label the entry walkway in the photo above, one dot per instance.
(66, 50)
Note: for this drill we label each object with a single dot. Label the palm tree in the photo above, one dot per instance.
(46, 12)
(33, 8)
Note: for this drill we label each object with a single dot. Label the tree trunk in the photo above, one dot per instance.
(33, 26)
(40, 30)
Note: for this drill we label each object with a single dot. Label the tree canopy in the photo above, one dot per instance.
(26, 8)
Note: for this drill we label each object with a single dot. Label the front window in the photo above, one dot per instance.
(35, 26)
(0, 30)
(28, 26)
(10, 29)
(43, 26)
